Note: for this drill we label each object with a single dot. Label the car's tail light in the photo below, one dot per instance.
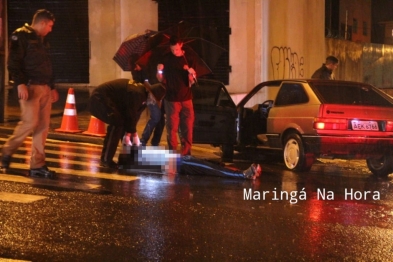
(331, 124)
(389, 126)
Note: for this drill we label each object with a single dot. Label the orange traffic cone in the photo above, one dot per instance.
(96, 127)
(69, 122)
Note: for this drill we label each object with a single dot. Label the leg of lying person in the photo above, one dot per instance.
(194, 166)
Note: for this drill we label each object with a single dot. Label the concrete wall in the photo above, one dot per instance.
(110, 22)
(274, 39)
(270, 39)
(363, 62)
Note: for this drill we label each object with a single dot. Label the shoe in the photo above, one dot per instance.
(42, 172)
(5, 162)
(109, 164)
(253, 171)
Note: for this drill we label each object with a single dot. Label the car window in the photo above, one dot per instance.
(256, 99)
(290, 94)
(211, 93)
(350, 94)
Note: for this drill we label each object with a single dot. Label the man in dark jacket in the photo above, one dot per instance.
(326, 70)
(30, 68)
(119, 103)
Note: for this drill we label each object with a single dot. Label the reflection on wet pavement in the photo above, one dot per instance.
(95, 214)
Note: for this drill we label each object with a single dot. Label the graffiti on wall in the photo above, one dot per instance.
(286, 64)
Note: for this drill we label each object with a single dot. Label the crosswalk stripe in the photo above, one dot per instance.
(20, 198)
(92, 173)
(96, 175)
(87, 158)
(48, 182)
(12, 260)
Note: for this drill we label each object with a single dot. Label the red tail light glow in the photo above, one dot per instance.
(389, 126)
(331, 124)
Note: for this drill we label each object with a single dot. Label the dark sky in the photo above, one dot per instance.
(382, 10)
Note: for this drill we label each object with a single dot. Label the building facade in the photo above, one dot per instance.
(269, 39)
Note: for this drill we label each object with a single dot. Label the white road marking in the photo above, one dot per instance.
(12, 260)
(20, 198)
(48, 182)
(92, 173)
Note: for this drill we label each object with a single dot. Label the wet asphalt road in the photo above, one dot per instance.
(95, 214)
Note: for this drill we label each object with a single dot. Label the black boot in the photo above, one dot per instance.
(5, 162)
(42, 172)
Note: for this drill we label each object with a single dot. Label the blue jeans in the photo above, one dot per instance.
(156, 123)
(190, 165)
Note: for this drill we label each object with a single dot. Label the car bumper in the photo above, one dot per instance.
(358, 147)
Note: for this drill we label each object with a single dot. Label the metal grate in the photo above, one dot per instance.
(211, 17)
(69, 39)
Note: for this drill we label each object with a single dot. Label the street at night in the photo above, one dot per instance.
(94, 214)
(226, 130)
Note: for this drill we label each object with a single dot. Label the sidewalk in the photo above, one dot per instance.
(12, 114)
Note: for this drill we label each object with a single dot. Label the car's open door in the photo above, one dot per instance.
(215, 114)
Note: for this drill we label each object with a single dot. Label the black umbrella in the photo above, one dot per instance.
(193, 37)
(184, 30)
(204, 53)
(131, 49)
(150, 59)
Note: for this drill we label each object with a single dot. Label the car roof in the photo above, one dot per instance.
(315, 80)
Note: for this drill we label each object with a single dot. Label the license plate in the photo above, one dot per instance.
(365, 125)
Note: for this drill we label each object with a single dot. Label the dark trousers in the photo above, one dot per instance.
(113, 135)
(106, 111)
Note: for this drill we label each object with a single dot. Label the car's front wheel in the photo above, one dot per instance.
(380, 166)
(227, 153)
(295, 157)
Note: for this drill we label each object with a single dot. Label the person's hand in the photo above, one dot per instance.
(54, 95)
(23, 93)
(159, 75)
(127, 140)
(191, 71)
(160, 67)
(135, 139)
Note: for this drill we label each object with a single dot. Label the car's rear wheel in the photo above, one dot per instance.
(380, 166)
(295, 157)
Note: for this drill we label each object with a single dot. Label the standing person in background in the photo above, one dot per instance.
(177, 73)
(156, 122)
(31, 70)
(326, 70)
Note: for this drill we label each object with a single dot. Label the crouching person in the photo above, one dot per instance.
(119, 103)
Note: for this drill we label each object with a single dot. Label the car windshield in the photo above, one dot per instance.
(350, 94)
